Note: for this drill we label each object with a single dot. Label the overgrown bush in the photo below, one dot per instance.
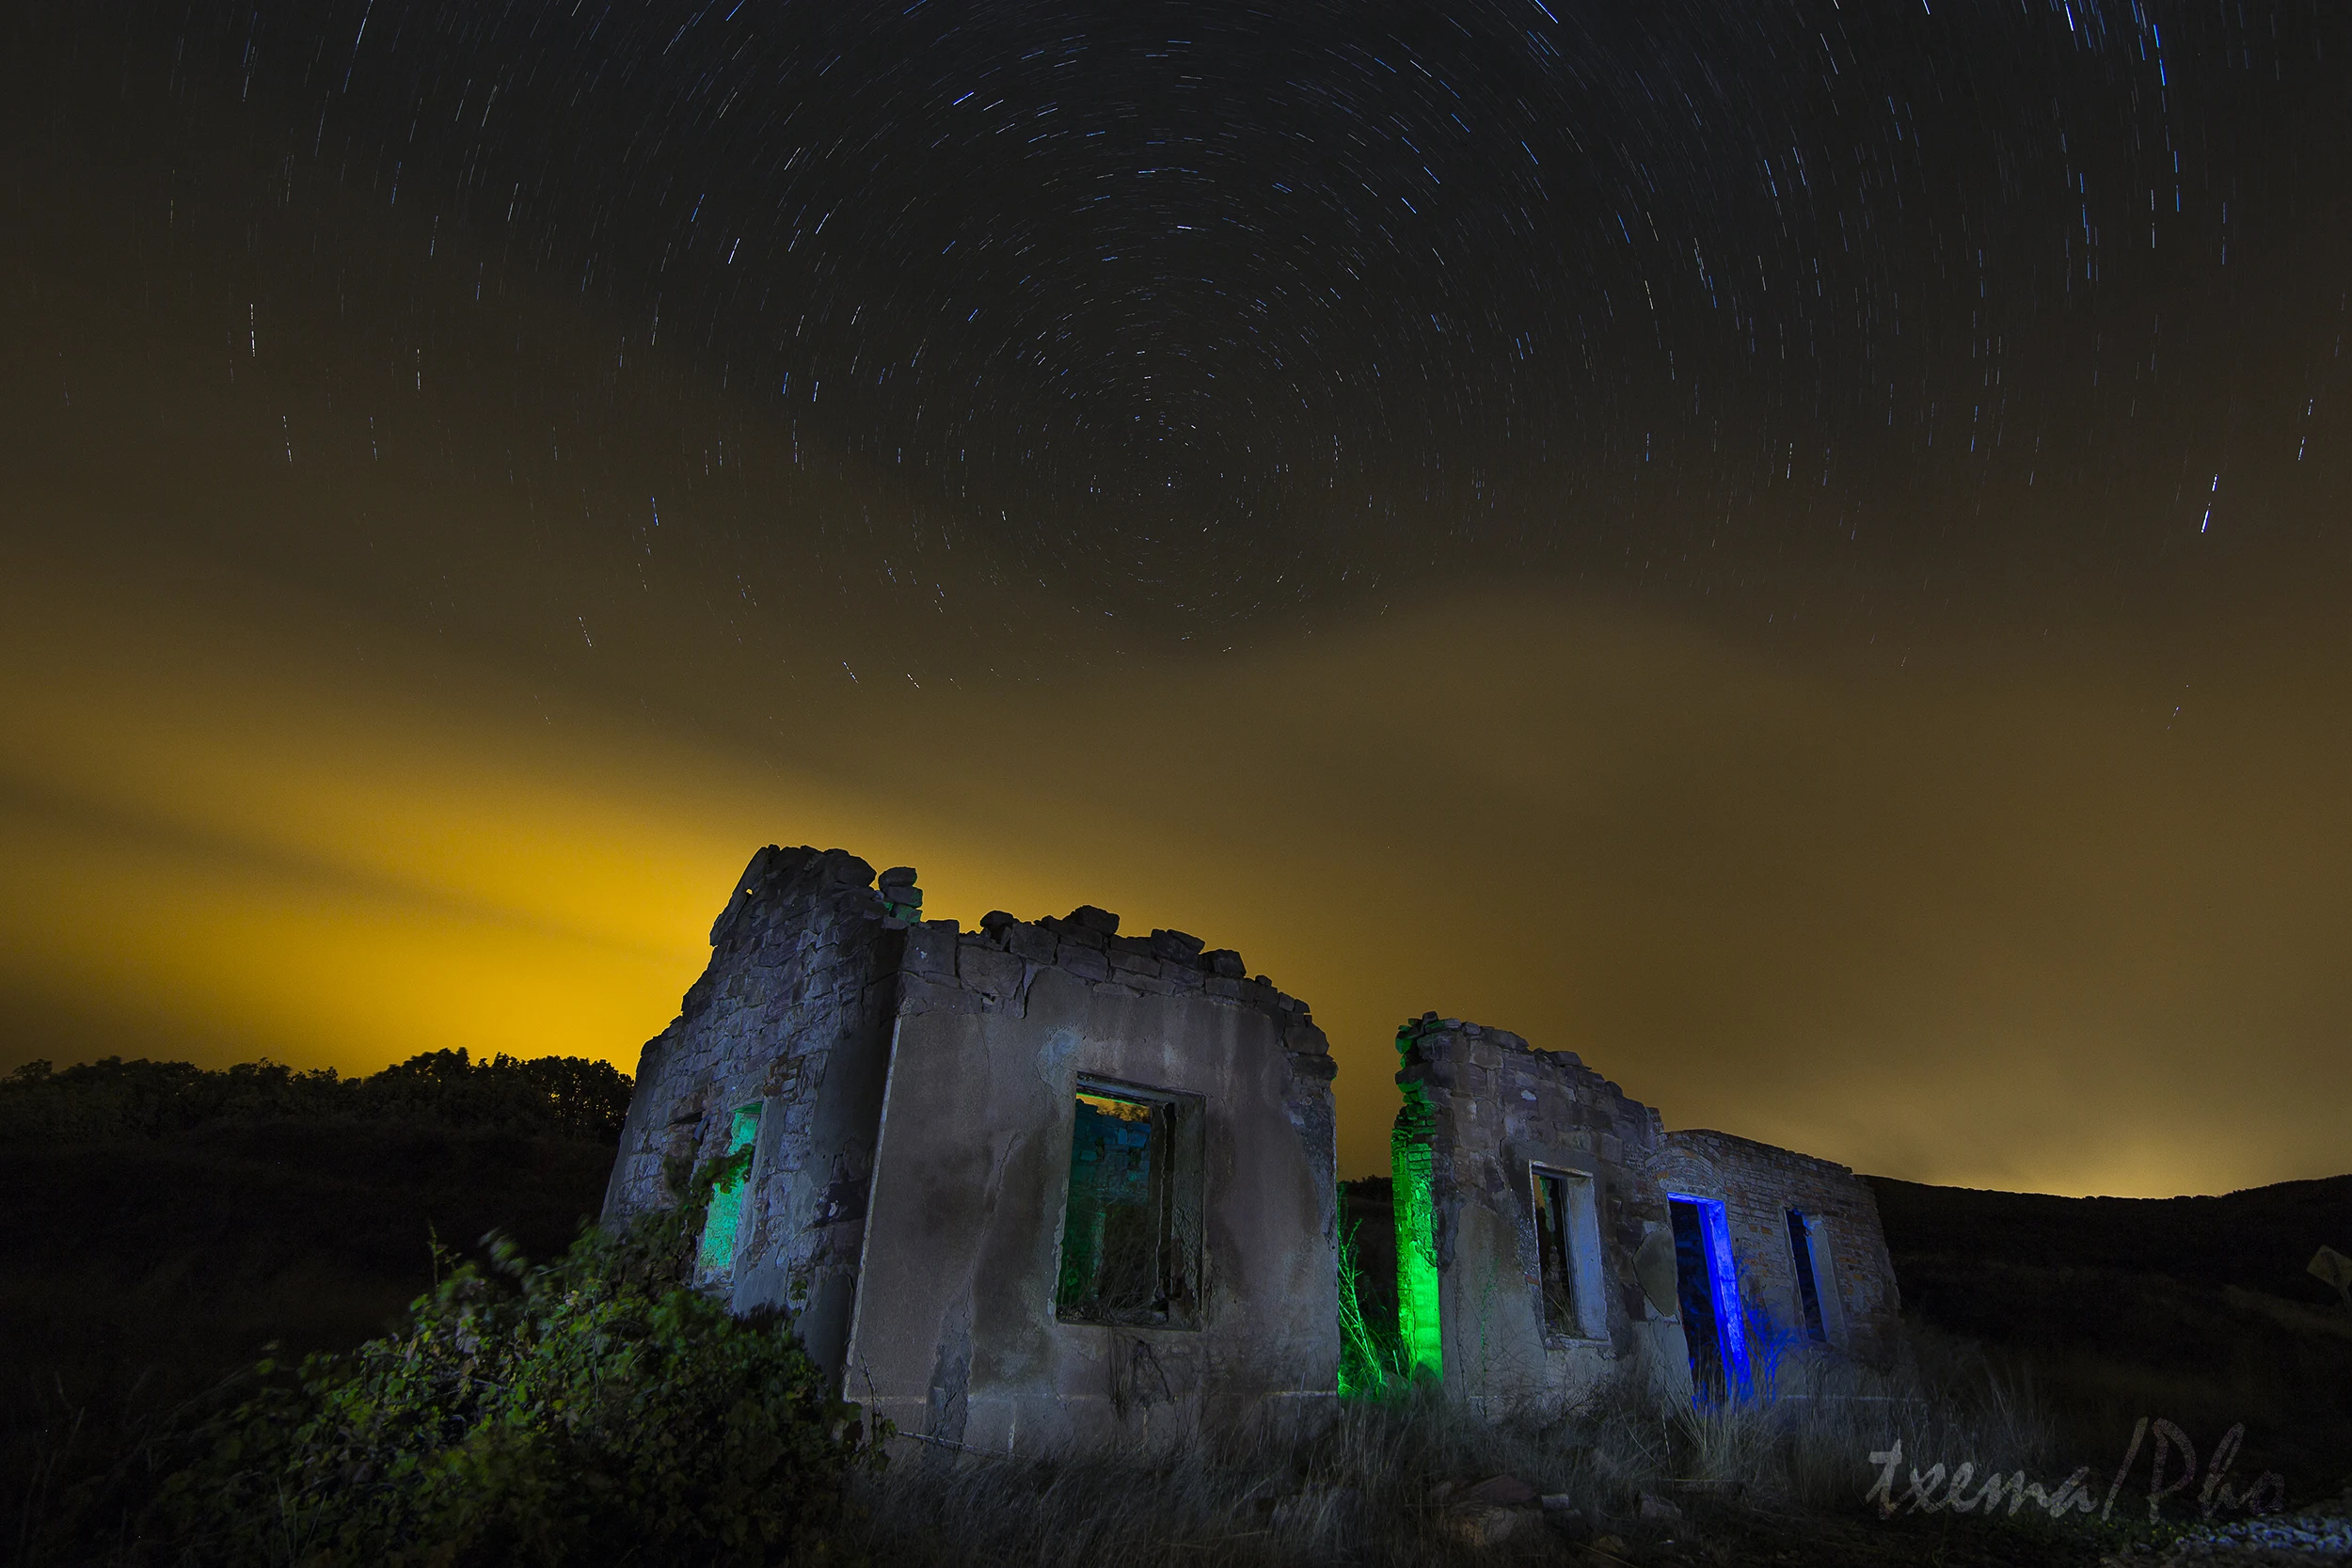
(591, 1411)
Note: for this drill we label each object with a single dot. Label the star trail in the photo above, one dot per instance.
(1792, 547)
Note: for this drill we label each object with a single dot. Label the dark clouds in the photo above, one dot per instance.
(1846, 499)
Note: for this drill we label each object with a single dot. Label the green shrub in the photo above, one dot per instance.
(592, 1411)
(1371, 1360)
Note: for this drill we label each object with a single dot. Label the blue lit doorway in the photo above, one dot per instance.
(1707, 1281)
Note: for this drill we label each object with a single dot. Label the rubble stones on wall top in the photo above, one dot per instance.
(1176, 946)
(811, 932)
(1463, 1057)
(990, 970)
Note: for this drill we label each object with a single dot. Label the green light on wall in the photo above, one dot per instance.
(1416, 1231)
(726, 1195)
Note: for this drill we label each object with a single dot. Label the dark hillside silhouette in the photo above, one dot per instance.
(165, 1223)
(2261, 1239)
(2197, 1310)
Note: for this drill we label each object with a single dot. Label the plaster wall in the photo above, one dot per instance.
(956, 1336)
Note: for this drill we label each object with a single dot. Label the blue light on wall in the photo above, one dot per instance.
(1722, 1271)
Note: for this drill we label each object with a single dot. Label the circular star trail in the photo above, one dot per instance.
(1189, 311)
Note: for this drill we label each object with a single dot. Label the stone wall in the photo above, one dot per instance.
(793, 1015)
(1499, 1109)
(957, 1338)
(915, 1084)
(1758, 1185)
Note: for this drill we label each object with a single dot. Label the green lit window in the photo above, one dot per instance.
(1131, 1230)
(717, 1253)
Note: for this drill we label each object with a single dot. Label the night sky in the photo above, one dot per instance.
(1798, 549)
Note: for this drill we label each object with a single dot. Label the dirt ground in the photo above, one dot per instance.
(1738, 1536)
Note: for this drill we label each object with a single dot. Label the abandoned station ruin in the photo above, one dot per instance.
(1041, 1183)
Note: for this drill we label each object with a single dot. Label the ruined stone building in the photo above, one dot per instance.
(1025, 1186)
(1044, 1183)
(1548, 1228)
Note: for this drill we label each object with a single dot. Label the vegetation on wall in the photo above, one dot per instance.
(1372, 1360)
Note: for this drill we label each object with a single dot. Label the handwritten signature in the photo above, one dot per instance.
(1934, 1490)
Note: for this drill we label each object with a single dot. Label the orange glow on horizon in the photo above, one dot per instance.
(217, 849)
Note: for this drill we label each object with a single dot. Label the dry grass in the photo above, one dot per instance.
(1366, 1489)
(1815, 1421)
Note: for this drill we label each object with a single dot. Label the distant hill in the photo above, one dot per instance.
(2261, 1239)
(165, 1223)
(2197, 1310)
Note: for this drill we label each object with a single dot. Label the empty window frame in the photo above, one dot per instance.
(1131, 1229)
(1808, 1285)
(1567, 1253)
(1809, 1244)
(716, 1256)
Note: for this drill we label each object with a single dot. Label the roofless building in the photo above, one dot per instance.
(1043, 1183)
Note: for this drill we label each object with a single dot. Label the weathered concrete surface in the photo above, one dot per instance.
(956, 1337)
(1501, 1110)
(825, 988)
(1758, 1184)
(793, 1015)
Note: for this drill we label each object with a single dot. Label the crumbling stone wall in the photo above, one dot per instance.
(793, 1015)
(993, 969)
(1758, 1185)
(917, 1087)
(1500, 1108)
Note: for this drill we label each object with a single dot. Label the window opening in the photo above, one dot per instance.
(1555, 1253)
(1129, 1231)
(721, 1220)
(1707, 1285)
(1809, 1287)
